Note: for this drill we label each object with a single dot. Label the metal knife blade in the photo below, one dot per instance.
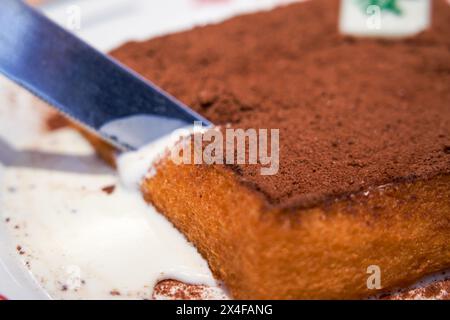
(98, 92)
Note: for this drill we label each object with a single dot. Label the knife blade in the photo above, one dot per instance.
(89, 87)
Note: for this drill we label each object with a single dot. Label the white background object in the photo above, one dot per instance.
(356, 20)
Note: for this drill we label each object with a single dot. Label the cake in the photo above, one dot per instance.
(364, 177)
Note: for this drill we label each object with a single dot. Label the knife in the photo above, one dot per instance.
(87, 86)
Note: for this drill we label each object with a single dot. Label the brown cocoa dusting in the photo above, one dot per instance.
(20, 250)
(114, 293)
(109, 189)
(56, 121)
(178, 290)
(360, 112)
(436, 290)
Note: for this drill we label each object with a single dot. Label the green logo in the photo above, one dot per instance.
(384, 5)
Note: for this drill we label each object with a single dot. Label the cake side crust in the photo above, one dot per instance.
(324, 252)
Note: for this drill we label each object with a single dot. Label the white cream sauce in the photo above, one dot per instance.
(81, 242)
